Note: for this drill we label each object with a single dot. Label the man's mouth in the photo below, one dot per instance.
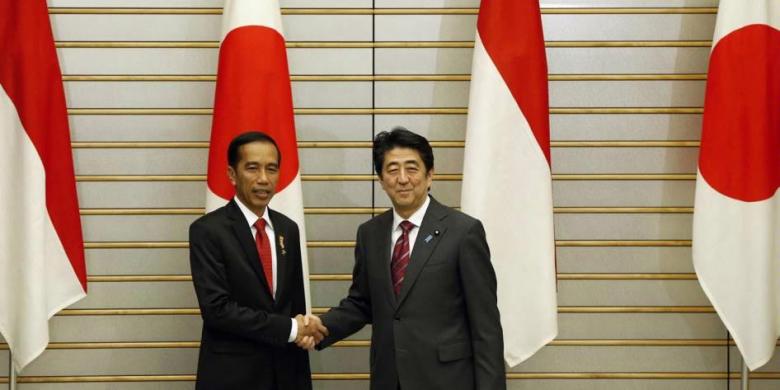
(261, 193)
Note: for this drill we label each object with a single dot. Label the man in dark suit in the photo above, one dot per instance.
(246, 267)
(424, 280)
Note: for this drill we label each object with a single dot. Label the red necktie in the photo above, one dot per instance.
(400, 259)
(264, 250)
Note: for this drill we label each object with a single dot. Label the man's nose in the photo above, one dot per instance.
(403, 177)
(262, 176)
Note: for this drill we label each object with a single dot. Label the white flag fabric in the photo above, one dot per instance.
(507, 181)
(253, 93)
(42, 266)
(736, 224)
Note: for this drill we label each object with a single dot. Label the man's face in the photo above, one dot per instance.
(256, 175)
(405, 180)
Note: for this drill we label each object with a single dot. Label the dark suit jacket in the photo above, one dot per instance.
(443, 330)
(244, 342)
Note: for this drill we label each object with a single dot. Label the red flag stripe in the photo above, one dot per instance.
(30, 75)
(501, 24)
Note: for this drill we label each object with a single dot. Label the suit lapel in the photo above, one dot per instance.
(382, 252)
(282, 265)
(244, 235)
(431, 232)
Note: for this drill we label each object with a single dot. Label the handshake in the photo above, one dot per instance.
(310, 331)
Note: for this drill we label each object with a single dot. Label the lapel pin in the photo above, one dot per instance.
(428, 239)
(281, 244)
(435, 232)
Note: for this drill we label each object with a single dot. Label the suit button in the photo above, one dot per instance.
(398, 318)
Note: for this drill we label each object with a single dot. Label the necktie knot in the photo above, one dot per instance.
(260, 224)
(406, 226)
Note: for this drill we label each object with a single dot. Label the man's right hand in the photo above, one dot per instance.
(310, 331)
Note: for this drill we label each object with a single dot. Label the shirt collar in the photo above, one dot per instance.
(251, 217)
(416, 218)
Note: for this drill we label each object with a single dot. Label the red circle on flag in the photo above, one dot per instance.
(740, 145)
(253, 93)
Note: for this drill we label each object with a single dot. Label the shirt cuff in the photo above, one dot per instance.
(293, 331)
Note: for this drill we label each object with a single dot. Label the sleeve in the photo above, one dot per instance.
(354, 311)
(218, 309)
(479, 287)
(299, 284)
(293, 331)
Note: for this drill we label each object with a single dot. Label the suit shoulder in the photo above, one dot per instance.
(460, 216)
(278, 217)
(379, 220)
(210, 219)
(462, 219)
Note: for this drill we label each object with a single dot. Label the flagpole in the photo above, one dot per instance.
(11, 371)
(745, 375)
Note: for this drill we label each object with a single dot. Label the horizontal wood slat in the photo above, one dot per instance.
(348, 277)
(365, 376)
(351, 244)
(321, 310)
(356, 177)
(381, 11)
(431, 77)
(369, 44)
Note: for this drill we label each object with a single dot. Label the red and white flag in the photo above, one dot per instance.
(41, 248)
(253, 93)
(736, 221)
(507, 182)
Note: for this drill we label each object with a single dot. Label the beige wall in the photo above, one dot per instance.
(629, 301)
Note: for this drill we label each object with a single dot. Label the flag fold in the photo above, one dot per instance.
(42, 266)
(507, 181)
(736, 221)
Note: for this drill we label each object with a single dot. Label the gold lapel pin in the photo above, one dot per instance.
(281, 244)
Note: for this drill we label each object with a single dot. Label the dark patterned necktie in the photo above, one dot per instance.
(400, 259)
(264, 250)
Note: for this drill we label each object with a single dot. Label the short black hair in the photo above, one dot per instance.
(233, 154)
(401, 137)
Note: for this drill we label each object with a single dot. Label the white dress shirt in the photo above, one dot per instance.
(251, 219)
(416, 218)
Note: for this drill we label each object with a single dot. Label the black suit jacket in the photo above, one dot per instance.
(245, 331)
(443, 331)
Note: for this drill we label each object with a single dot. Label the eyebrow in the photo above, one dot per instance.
(271, 164)
(404, 162)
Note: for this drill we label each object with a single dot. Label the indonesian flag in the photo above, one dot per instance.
(736, 222)
(253, 93)
(41, 249)
(507, 182)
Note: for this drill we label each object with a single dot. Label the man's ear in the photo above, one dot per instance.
(232, 175)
